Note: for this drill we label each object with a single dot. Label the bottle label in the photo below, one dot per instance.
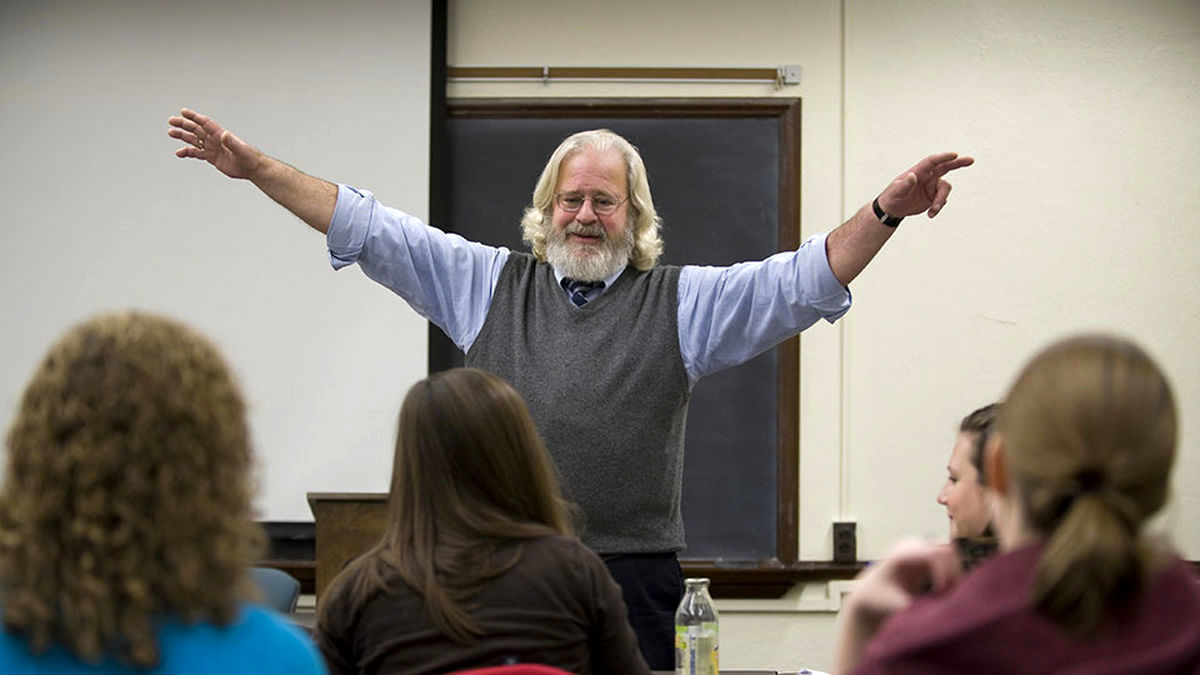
(697, 649)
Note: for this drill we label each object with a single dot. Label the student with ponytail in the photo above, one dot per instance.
(1081, 458)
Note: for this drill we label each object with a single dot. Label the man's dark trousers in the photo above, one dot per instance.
(652, 585)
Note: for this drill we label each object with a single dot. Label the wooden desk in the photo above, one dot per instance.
(347, 524)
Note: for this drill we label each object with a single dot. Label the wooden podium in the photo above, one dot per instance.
(347, 524)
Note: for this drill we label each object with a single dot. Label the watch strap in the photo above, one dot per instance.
(890, 221)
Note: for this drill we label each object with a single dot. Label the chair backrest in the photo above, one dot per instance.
(280, 590)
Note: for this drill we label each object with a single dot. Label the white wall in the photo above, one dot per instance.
(1076, 216)
(99, 214)
(1081, 115)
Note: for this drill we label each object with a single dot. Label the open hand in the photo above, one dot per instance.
(211, 142)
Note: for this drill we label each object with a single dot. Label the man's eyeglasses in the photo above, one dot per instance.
(602, 203)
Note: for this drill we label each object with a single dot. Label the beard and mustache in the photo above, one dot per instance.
(588, 261)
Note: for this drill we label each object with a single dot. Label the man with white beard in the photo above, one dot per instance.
(603, 343)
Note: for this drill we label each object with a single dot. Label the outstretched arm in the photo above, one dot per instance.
(910, 569)
(311, 199)
(852, 245)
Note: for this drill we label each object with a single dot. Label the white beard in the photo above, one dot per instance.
(586, 262)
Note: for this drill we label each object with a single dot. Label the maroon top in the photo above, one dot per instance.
(557, 606)
(987, 624)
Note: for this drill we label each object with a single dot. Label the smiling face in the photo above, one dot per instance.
(583, 244)
(962, 495)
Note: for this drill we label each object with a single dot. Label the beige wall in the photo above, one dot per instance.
(1076, 216)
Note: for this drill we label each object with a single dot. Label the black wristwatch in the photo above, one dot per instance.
(890, 221)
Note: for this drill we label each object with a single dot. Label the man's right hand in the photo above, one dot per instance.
(311, 199)
(211, 142)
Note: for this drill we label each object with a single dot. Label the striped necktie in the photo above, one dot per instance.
(580, 291)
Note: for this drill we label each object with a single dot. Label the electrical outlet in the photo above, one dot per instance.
(845, 543)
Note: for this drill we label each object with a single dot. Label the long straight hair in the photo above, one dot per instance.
(471, 479)
(1089, 430)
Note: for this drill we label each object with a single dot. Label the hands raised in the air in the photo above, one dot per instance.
(922, 187)
(212, 143)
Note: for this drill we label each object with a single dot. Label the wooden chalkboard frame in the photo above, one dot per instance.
(772, 576)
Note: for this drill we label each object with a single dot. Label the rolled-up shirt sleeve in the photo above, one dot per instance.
(729, 315)
(442, 276)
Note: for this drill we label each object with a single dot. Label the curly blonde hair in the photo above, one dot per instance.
(644, 221)
(127, 494)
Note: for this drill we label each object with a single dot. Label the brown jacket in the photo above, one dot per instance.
(557, 606)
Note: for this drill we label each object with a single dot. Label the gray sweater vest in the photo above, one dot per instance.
(606, 385)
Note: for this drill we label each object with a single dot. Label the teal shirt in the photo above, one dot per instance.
(259, 641)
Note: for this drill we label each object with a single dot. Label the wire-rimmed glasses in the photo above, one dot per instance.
(602, 203)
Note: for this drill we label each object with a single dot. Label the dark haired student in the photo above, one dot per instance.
(477, 566)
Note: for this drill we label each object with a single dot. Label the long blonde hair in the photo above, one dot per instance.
(644, 221)
(1089, 430)
(471, 479)
(127, 494)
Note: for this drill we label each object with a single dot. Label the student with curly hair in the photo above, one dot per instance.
(125, 513)
(477, 566)
(1081, 458)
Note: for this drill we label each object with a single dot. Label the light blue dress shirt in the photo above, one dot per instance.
(727, 315)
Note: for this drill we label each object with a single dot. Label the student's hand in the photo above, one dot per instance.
(922, 188)
(211, 142)
(912, 568)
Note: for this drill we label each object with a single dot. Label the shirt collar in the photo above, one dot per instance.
(608, 281)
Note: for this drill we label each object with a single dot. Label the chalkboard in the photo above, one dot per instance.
(723, 178)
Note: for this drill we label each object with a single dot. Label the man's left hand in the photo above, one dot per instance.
(922, 188)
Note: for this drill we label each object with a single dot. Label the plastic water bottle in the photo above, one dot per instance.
(696, 644)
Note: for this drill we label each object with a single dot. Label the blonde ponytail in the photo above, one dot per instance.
(1091, 562)
(1089, 430)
